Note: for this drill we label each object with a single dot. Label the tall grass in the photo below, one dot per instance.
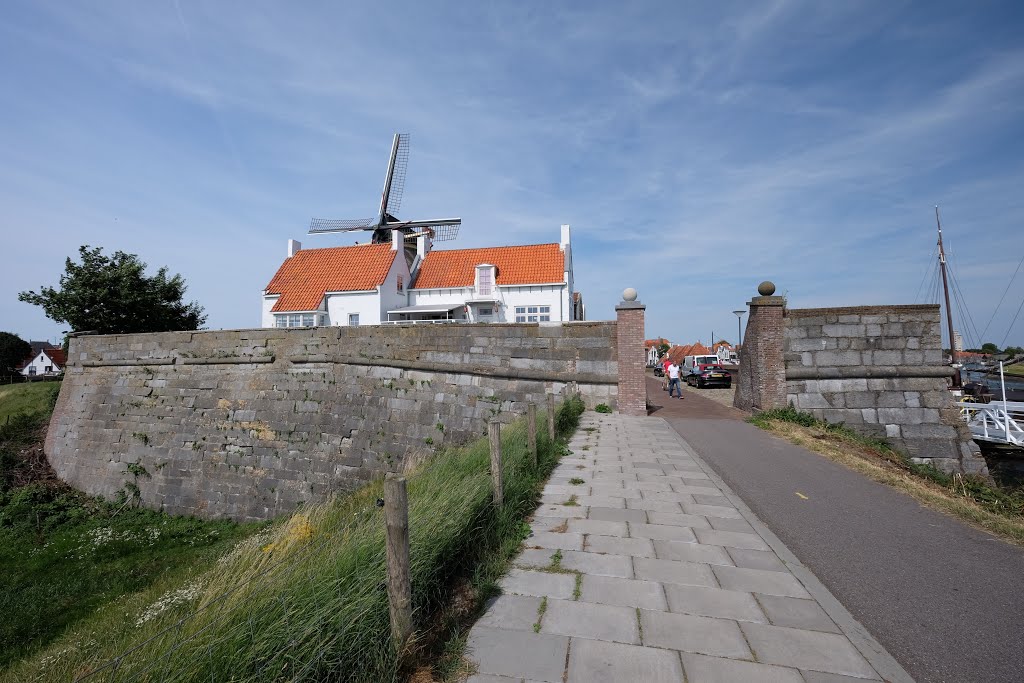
(28, 397)
(307, 601)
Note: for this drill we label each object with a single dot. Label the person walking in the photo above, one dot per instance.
(673, 380)
(664, 368)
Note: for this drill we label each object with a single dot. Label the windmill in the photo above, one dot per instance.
(436, 230)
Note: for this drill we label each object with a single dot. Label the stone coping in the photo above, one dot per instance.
(860, 310)
(868, 372)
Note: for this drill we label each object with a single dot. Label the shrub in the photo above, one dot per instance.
(602, 408)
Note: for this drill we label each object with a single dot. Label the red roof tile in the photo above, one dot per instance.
(523, 265)
(303, 279)
(57, 356)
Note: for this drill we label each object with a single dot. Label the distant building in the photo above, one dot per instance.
(652, 347)
(958, 342)
(46, 360)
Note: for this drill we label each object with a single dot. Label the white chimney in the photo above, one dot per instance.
(396, 240)
(423, 245)
(293, 247)
(565, 237)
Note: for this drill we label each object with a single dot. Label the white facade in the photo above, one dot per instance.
(41, 365)
(652, 356)
(504, 305)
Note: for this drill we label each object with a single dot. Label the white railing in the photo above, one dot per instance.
(998, 421)
(446, 321)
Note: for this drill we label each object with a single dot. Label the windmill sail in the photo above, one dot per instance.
(439, 229)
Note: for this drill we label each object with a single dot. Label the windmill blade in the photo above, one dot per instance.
(394, 204)
(321, 225)
(389, 185)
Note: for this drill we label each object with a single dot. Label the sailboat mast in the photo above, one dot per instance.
(945, 290)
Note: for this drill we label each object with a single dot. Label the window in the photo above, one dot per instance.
(485, 280)
(533, 314)
(486, 312)
(297, 320)
(399, 283)
(31, 369)
(353, 319)
(49, 368)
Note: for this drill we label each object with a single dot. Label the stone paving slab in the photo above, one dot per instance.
(655, 574)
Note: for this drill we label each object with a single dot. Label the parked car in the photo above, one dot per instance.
(658, 372)
(710, 376)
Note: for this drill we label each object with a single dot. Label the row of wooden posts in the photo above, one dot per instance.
(396, 516)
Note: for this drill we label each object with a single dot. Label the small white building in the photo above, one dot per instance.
(370, 285)
(46, 361)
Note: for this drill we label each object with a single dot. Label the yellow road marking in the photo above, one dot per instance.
(802, 495)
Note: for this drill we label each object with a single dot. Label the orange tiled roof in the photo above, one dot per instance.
(303, 279)
(524, 265)
(648, 343)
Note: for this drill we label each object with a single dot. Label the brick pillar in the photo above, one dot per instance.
(631, 354)
(762, 380)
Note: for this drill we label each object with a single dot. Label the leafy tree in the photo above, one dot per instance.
(114, 295)
(663, 348)
(989, 347)
(13, 350)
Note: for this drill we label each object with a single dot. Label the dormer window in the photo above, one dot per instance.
(400, 284)
(485, 280)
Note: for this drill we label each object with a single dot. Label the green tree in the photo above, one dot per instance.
(114, 295)
(13, 350)
(989, 347)
(663, 348)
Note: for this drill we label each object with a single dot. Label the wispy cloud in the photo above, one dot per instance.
(695, 149)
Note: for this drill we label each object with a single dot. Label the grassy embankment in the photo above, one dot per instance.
(306, 600)
(996, 509)
(63, 555)
(1015, 370)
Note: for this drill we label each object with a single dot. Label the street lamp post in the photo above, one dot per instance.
(739, 328)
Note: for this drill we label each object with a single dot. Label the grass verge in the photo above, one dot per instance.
(305, 601)
(998, 510)
(30, 398)
(64, 555)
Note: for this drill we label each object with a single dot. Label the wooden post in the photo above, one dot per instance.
(396, 515)
(494, 434)
(551, 417)
(531, 432)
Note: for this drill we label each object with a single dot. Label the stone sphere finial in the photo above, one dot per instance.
(766, 288)
(629, 294)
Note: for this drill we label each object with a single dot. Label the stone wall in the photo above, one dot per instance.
(879, 370)
(247, 424)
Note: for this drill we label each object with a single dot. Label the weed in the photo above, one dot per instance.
(541, 609)
(429, 441)
(572, 502)
(556, 560)
(439, 427)
(577, 591)
(576, 481)
(602, 408)
(141, 436)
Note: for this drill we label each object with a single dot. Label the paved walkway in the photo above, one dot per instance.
(644, 565)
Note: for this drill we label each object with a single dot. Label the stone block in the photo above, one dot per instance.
(591, 620)
(796, 613)
(538, 656)
(595, 661)
(797, 648)
(689, 633)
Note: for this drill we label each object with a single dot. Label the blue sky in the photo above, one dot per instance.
(696, 149)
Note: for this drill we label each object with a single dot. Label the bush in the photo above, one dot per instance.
(602, 408)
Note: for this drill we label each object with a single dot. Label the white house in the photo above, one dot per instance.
(370, 285)
(354, 285)
(46, 360)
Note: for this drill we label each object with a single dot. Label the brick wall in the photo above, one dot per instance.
(762, 376)
(632, 356)
(249, 423)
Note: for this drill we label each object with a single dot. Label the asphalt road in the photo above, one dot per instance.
(946, 600)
